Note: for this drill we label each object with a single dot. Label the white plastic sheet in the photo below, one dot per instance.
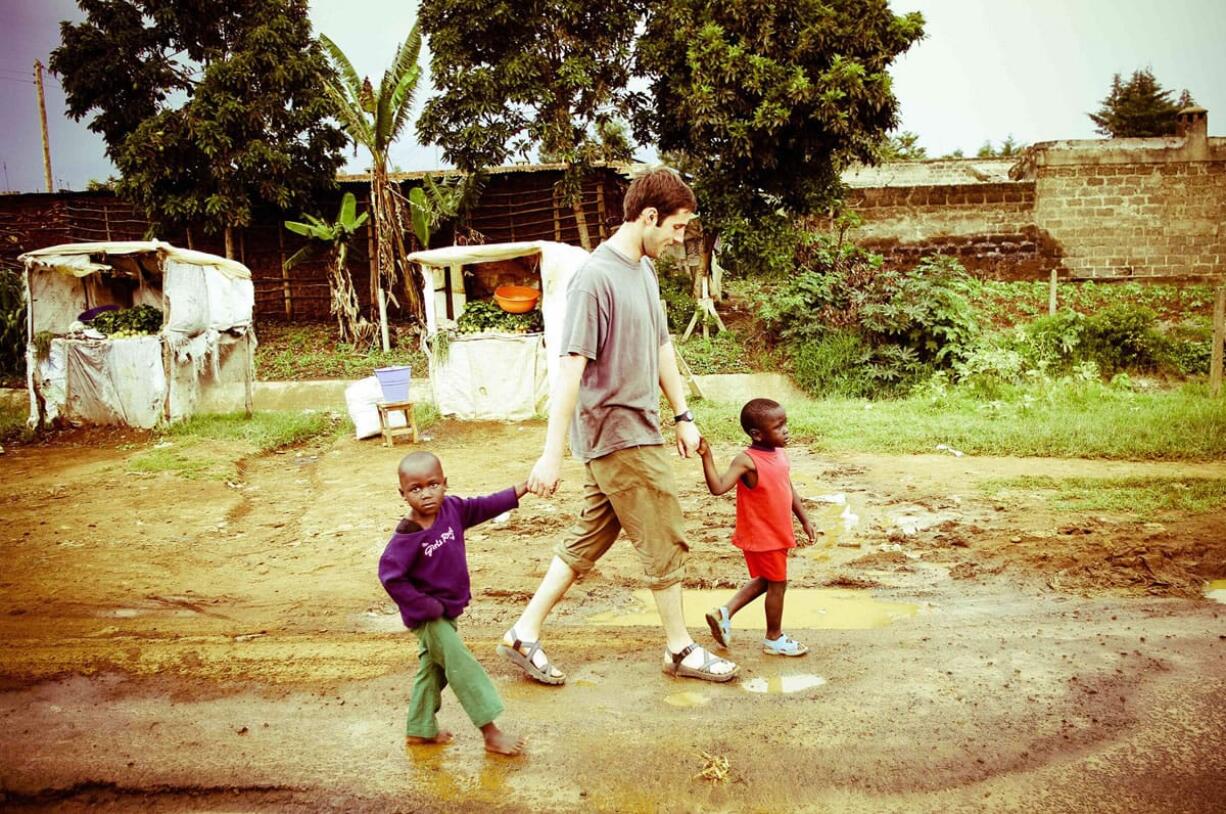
(491, 376)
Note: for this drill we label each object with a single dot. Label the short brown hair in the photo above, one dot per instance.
(661, 188)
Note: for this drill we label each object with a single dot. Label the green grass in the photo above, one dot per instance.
(13, 417)
(305, 352)
(262, 431)
(188, 461)
(1004, 303)
(1082, 420)
(208, 447)
(1140, 496)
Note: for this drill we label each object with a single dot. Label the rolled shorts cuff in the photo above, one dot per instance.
(668, 580)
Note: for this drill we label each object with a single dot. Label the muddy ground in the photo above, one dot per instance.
(174, 644)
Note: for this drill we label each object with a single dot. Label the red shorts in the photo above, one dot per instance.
(770, 565)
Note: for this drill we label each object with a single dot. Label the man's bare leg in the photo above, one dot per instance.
(676, 636)
(553, 587)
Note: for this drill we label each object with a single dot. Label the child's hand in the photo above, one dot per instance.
(704, 449)
(808, 530)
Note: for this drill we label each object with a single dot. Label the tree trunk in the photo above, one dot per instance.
(229, 242)
(386, 275)
(585, 239)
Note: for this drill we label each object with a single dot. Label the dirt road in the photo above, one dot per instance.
(176, 644)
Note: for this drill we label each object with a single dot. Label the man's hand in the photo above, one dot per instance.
(687, 438)
(544, 478)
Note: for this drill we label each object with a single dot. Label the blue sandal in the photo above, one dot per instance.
(721, 626)
(785, 645)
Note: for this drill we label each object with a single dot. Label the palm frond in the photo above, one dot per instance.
(300, 255)
(343, 67)
(397, 87)
(351, 116)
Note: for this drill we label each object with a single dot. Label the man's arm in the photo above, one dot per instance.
(674, 390)
(544, 478)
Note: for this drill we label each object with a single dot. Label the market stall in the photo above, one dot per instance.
(484, 365)
(136, 333)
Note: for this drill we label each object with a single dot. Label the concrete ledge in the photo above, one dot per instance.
(739, 388)
(329, 394)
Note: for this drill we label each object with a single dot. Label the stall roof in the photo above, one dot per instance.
(479, 253)
(74, 258)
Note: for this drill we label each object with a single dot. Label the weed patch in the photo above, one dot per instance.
(1138, 496)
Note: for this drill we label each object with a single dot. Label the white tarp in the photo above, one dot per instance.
(203, 353)
(491, 376)
(559, 261)
(115, 381)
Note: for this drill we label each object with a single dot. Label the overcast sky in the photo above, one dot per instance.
(987, 69)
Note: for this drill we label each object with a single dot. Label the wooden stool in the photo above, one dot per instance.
(390, 433)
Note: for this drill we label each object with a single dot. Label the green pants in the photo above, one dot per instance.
(444, 659)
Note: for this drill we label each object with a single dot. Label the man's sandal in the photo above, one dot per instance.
(524, 661)
(674, 667)
(721, 626)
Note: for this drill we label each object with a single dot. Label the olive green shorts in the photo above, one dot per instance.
(631, 489)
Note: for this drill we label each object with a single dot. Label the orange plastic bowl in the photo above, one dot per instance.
(516, 299)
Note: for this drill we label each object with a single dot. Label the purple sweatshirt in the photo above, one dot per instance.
(426, 570)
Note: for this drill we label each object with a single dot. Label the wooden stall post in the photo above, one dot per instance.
(1051, 294)
(286, 291)
(1219, 338)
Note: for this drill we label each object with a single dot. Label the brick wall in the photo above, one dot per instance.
(1134, 213)
(989, 226)
(1091, 209)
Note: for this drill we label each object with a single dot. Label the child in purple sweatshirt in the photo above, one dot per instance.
(425, 570)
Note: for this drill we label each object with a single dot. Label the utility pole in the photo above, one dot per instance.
(42, 114)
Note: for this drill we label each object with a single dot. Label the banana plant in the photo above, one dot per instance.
(338, 234)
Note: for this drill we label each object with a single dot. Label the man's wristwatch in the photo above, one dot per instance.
(686, 416)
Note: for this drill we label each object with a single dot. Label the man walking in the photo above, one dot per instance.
(616, 352)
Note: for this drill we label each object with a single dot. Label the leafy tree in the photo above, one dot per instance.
(375, 120)
(207, 108)
(1008, 148)
(338, 235)
(770, 101)
(1138, 107)
(902, 147)
(518, 74)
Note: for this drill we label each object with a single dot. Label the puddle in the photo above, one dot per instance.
(808, 608)
(1215, 590)
(687, 699)
(777, 685)
(448, 782)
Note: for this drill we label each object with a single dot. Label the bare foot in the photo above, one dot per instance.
(439, 739)
(501, 743)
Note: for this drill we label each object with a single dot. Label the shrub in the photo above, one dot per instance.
(835, 365)
(12, 325)
(676, 291)
(910, 321)
(1122, 336)
(1187, 347)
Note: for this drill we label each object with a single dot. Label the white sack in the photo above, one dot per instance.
(360, 400)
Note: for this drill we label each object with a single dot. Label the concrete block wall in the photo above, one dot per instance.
(1105, 208)
(989, 227)
(1137, 217)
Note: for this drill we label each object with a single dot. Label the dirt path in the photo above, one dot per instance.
(176, 644)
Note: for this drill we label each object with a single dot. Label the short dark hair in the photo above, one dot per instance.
(415, 460)
(661, 188)
(755, 411)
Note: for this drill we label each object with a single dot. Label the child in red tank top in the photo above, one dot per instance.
(765, 503)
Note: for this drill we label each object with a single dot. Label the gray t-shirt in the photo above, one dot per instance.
(613, 318)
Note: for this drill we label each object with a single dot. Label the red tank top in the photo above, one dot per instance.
(764, 513)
